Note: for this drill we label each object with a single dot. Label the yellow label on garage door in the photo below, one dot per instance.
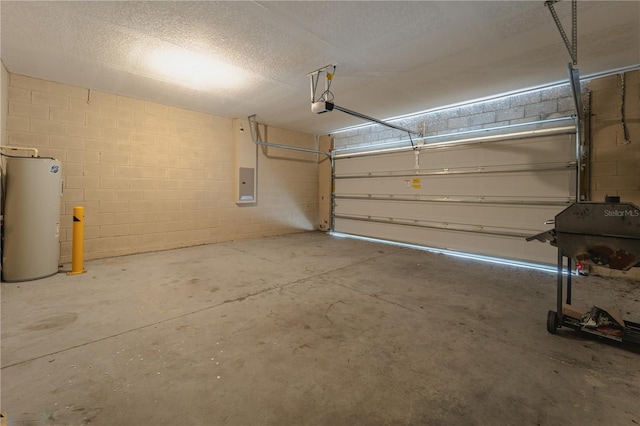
(416, 184)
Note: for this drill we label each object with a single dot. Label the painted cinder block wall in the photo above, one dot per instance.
(152, 176)
(615, 163)
(117, 149)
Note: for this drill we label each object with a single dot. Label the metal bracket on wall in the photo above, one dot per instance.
(574, 79)
(581, 129)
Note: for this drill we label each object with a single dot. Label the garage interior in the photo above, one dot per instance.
(251, 257)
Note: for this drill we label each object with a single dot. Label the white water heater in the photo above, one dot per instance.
(31, 218)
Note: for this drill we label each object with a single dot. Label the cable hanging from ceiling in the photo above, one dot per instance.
(625, 132)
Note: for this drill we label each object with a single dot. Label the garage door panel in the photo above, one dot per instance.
(482, 198)
(545, 184)
(527, 221)
(535, 151)
(485, 244)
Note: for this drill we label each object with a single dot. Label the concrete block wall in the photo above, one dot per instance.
(285, 176)
(153, 176)
(516, 109)
(615, 163)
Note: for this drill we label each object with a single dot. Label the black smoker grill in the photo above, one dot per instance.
(602, 234)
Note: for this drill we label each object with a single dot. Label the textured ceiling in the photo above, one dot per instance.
(394, 57)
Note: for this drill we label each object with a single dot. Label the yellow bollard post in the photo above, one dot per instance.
(77, 245)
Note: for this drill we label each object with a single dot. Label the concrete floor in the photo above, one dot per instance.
(309, 329)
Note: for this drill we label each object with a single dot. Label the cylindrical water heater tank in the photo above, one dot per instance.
(31, 218)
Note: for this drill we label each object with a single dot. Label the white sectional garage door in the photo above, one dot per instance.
(476, 196)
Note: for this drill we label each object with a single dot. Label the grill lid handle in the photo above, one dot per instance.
(545, 236)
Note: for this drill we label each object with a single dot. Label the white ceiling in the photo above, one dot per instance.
(394, 57)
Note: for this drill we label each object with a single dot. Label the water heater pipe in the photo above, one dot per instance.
(20, 148)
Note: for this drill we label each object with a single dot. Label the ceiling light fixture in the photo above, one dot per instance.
(194, 70)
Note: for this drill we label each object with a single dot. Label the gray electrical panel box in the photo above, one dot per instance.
(246, 185)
